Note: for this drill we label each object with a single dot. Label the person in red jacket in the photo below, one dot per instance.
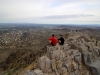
(53, 40)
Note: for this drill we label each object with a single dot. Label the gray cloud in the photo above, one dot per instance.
(66, 16)
(48, 10)
(62, 2)
(3, 15)
(89, 21)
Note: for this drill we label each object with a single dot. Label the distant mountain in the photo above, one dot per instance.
(79, 26)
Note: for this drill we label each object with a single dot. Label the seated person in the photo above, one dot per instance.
(53, 40)
(61, 40)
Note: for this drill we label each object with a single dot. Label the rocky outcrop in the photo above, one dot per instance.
(78, 56)
(98, 43)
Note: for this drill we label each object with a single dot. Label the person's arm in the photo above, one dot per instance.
(50, 38)
(59, 40)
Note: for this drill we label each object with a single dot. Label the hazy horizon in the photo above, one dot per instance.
(50, 11)
(49, 24)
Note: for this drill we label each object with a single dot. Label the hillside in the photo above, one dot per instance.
(20, 47)
(78, 56)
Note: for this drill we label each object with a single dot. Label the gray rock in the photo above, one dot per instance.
(94, 67)
(78, 59)
(96, 51)
(38, 72)
(41, 62)
(53, 64)
(49, 52)
(83, 41)
(58, 54)
(80, 67)
(64, 47)
(98, 44)
(93, 64)
(68, 67)
(64, 70)
(89, 58)
(30, 73)
(44, 63)
(77, 72)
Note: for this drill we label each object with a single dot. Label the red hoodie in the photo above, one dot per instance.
(53, 40)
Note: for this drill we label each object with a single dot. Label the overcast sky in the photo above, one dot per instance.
(50, 11)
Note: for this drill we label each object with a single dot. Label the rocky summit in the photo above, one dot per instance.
(80, 55)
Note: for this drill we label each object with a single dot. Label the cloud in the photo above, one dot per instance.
(3, 15)
(66, 16)
(93, 21)
(40, 10)
(56, 3)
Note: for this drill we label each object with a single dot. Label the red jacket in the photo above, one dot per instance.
(53, 40)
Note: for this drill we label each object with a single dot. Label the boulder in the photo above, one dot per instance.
(96, 50)
(51, 49)
(38, 72)
(44, 63)
(83, 48)
(68, 67)
(98, 44)
(58, 54)
(87, 57)
(29, 72)
(92, 63)
(64, 71)
(64, 47)
(78, 59)
(94, 67)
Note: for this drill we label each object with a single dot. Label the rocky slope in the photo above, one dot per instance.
(80, 55)
(19, 59)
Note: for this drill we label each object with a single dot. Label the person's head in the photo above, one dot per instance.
(53, 35)
(61, 35)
